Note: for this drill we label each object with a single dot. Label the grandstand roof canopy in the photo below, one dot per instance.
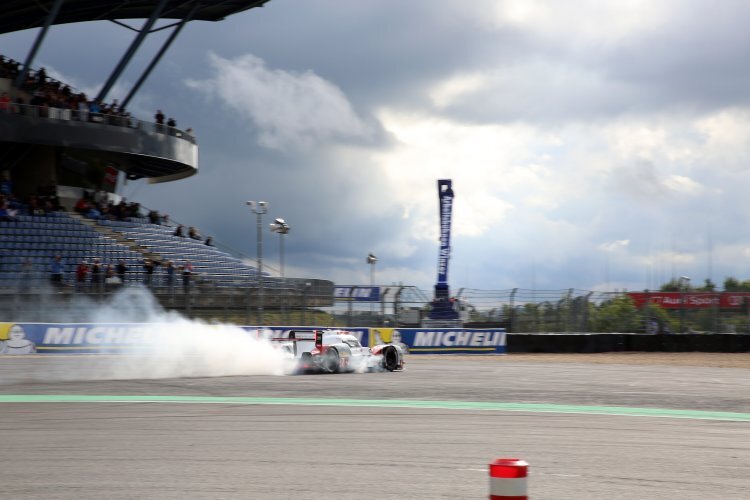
(17, 15)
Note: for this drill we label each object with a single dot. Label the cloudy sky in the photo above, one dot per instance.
(592, 145)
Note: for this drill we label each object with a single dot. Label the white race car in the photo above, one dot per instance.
(334, 351)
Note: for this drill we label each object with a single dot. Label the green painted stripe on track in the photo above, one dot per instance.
(383, 403)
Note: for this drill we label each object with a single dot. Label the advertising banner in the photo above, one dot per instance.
(445, 193)
(357, 293)
(92, 338)
(691, 300)
(30, 338)
(442, 341)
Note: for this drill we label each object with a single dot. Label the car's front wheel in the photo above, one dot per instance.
(390, 358)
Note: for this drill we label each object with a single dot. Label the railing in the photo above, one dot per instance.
(83, 115)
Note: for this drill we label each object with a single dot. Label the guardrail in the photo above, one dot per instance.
(83, 115)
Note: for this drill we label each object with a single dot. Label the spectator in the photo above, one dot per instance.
(209, 241)
(159, 118)
(178, 231)
(187, 272)
(96, 275)
(56, 270)
(82, 205)
(193, 233)
(148, 266)
(121, 269)
(170, 270)
(171, 123)
(153, 217)
(82, 272)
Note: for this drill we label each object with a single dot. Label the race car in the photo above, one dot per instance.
(333, 351)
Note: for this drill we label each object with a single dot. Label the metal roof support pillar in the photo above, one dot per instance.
(51, 15)
(131, 51)
(159, 55)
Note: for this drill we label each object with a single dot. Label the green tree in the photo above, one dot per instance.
(708, 286)
(731, 284)
(618, 315)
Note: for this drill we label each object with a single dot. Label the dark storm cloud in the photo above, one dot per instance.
(622, 129)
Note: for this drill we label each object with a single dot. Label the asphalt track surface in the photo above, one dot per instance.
(588, 431)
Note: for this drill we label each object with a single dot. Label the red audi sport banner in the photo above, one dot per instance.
(691, 300)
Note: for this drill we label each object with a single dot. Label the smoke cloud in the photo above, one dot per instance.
(173, 346)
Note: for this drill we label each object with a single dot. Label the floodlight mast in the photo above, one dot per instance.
(442, 306)
(259, 208)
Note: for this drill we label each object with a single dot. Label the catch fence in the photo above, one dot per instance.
(314, 302)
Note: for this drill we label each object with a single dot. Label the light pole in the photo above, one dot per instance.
(259, 208)
(372, 260)
(280, 226)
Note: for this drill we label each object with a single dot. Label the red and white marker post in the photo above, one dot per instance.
(508, 479)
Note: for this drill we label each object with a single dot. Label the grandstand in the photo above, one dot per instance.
(58, 145)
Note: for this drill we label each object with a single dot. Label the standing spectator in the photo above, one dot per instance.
(159, 118)
(187, 272)
(121, 269)
(56, 270)
(148, 267)
(96, 275)
(170, 270)
(82, 272)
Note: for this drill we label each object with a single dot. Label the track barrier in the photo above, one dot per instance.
(508, 479)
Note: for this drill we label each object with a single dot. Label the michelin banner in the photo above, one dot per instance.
(442, 341)
(118, 338)
(90, 338)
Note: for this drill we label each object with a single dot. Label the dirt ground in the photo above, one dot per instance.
(707, 359)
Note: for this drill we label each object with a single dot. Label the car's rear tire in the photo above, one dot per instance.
(390, 358)
(333, 361)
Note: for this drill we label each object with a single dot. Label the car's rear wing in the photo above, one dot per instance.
(302, 340)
